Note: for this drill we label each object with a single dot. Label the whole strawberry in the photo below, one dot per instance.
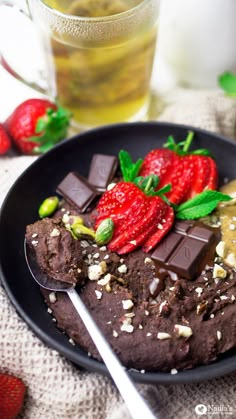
(5, 142)
(12, 392)
(36, 125)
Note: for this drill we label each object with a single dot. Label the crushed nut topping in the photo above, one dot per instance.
(221, 249)
(122, 269)
(129, 328)
(55, 233)
(127, 304)
(98, 294)
(52, 297)
(163, 335)
(219, 272)
(184, 331)
(219, 335)
(115, 334)
(174, 371)
(95, 272)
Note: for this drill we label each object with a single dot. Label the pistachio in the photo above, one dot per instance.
(72, 219)
(48, 206)
(82, 232)
(104, 231)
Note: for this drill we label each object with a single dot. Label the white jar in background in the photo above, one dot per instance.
(197, 40)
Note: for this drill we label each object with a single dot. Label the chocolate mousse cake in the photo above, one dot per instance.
(167, 309)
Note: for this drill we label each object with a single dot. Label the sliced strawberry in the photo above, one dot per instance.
(155, 205)
(159, 162)
(204, 175)
(182, 181)
(11, 396)
(138, 241)
(117, 199)
(163, 229)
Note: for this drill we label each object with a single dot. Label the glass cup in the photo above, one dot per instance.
(98, 56)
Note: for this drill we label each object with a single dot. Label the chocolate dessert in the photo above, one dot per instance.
(167, 309)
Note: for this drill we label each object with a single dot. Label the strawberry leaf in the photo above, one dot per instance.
(182, 147)
(129, 169)
(227, 82)
(201, 205)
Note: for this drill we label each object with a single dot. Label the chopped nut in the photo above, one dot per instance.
(162, 306)
(103, 265)
(66, 219)
(105, 280)
(219, 272)
(110, 186)
(199, 291)
(106, 257)
(140, 326)
(72, 342)
(149, 334)
(163, 335)
(55, 232)
(147, 260)
(52, 297)
(34, 242)
(79, 271)
(96, 255)
(129, 315)
(34, 235)
(183, 331)
(221, 249)
(202, 307)
(129, 328)
(147, 312)
(212, 316)
(232, 227)
(219, 335)
(223, 297)
(122, 269)
(134, 242)
(232, 297)
(115, 334)
(127, 304)
(95, 272)
(103, 249)
(231, 260)
(174, 371)
(49, 310)
(98, 294)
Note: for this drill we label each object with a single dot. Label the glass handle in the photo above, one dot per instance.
(20, 7)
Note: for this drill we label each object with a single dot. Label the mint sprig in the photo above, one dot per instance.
(129, 168)
(227, 82)
(201, 205)
(182, 147)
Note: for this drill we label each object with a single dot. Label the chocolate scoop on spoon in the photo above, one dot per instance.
(134, 402)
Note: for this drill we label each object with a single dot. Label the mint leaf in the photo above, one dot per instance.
(201, 205)
(128, 168)
(227, 82)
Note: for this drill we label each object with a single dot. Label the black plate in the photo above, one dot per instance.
(40, 180)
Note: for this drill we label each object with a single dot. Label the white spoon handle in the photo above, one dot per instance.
(134, 402)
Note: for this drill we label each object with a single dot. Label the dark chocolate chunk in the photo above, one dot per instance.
(102, 171)
(77, 191)
(184, 250)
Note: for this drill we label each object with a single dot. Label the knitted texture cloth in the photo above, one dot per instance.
(56, 389)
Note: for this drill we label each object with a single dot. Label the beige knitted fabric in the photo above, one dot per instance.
(58, 390)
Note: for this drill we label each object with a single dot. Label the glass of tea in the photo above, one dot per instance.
(98, 55)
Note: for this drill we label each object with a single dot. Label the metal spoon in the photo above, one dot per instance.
(134, 402)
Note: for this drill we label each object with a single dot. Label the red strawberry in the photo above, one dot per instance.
(5, 142)
(188, 174)
(36, 125)
(136, 219)
(12, 391)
